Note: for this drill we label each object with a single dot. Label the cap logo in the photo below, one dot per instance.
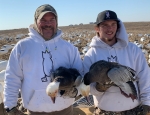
(107, 14)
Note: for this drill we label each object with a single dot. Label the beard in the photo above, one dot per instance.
(48, 27)
(47, 32)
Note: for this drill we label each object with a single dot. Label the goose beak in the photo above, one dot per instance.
(87, 99)
(53, 96)
(85, 94)
(52, 90)
(53, 99)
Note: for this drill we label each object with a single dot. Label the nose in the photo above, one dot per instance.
(49, 21)
(110, 26)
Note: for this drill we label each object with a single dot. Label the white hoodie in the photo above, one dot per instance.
(29, 69)
(127, 54)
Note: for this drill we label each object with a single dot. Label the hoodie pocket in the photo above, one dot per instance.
(40, 102)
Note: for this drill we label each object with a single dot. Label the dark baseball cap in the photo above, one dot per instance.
(106, 15)
(43, 9)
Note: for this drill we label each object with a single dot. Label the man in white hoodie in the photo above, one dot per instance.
(111, 44)
(31, 63)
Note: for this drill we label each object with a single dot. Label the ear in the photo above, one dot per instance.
(96, 28)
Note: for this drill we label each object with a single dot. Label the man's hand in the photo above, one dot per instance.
(15, 111)
(146, 110)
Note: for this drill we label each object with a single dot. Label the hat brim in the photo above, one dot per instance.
(106, 20)
(43, 13)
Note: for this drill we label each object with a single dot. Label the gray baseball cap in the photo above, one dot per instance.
(43, 9)
(106, 15)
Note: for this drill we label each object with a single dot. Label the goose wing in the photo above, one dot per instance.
(123, 77)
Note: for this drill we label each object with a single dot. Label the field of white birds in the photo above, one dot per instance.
(80, 36)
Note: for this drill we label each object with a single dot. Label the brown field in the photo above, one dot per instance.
(131, 27)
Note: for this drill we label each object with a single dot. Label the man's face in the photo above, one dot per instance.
(107, 31)
(47, 25)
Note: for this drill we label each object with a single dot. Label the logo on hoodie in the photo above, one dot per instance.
(47, 64)
(112, 58)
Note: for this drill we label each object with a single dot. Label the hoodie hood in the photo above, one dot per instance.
(121, 35)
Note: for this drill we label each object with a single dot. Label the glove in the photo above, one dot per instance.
(102, 87)
(146, 110)
(15, 111)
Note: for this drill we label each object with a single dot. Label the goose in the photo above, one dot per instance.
(108, 74)
(7, 47)
(3, 51)
(3, 64)
(67, 82)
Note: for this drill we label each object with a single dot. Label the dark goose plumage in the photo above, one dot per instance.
(111, 73)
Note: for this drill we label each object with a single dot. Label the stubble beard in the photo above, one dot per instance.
(47, 28)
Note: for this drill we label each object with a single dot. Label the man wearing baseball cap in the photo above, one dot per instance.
(32, 62)
(111, 44)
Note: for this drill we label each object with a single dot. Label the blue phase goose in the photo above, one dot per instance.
(107, 74)
(66, 82)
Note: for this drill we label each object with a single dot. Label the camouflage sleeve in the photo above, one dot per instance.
(146, 110)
